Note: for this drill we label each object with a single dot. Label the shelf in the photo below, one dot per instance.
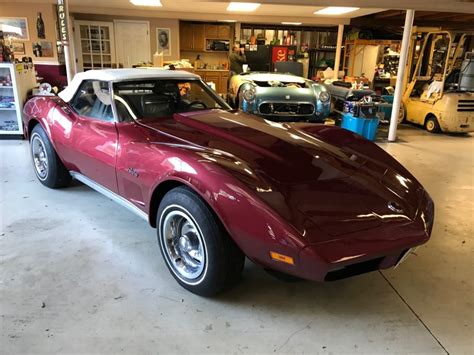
(6, 87)
(7, 109)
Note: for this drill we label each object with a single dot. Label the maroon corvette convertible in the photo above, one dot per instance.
(306, 200)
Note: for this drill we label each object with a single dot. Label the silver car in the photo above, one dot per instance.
(279, 97)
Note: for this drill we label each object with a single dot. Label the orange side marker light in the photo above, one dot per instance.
(283, 258)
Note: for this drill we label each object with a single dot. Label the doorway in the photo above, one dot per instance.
(132, 42)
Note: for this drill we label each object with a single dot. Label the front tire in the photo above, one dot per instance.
(48, 168)
(197, 250)
(432, 124)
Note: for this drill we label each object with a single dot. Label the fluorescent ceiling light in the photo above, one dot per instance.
(243, 6)
(226, 20)
(292, 23)
(336, 10)
(156, 3)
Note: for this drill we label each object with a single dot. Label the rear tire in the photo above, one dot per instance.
(197, 249)
(432, 125)
(48, 168)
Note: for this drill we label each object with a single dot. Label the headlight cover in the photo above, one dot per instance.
(249, 94)
(324, 96)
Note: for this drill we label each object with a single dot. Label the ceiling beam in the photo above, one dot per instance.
(201, 16)
(441, 16)
(389, 13)
(426, 13)
(453, 25)
(417, 5)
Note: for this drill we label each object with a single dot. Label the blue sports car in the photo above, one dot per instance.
(279, 97)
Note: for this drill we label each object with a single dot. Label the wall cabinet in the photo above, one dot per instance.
(223, 32)
(218, 77)
(211, 31)
(191, 37)
(217, 32)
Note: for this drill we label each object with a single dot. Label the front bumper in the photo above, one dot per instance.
(362, 252)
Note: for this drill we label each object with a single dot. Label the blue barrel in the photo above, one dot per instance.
(353, 124)
(370, 128)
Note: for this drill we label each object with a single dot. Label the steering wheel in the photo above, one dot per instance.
(197, 103)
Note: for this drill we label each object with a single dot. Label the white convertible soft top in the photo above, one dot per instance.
(122, 74)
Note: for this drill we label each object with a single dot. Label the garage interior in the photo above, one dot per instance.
(81, 274)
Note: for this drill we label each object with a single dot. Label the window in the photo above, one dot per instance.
(159, 98)
(93, 100)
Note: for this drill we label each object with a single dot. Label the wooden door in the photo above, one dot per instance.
(223, 32)
(215, 78)
(223, 82)
(186, 41)
(198, 37)
(212, 31)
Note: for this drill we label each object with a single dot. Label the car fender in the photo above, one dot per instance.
(251, 223)
(39, 109)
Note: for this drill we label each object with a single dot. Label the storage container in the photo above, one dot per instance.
(370, 128)
(352, 123)
(366, 127)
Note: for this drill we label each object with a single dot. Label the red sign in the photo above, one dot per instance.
(279, 54)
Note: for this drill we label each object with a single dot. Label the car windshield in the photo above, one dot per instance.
(163, 97)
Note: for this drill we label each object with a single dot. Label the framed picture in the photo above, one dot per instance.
(43, 49)
(18, 48)
(163, 37)
(15, 28)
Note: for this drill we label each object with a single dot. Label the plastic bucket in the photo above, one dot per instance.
(353, 124)
(370, 128)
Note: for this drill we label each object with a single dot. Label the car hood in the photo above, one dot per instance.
(284, 78)
(324, 181)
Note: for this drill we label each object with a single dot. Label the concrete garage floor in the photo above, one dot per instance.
(80, 274)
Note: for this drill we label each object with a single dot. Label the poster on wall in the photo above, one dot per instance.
(15, 28)
(163, 36)
(43, 49)
(18, 48)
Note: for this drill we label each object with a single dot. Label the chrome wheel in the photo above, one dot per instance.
(430, 126)
(40, 157)
(183, 244)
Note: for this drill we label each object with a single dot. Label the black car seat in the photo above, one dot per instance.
(155, 105)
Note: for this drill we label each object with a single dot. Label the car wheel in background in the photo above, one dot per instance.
(48, 168)
(401, 113)
(197, 249)
(432, 125)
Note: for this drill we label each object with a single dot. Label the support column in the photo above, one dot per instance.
(237, 30)
(337, 61)
(397, 98)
